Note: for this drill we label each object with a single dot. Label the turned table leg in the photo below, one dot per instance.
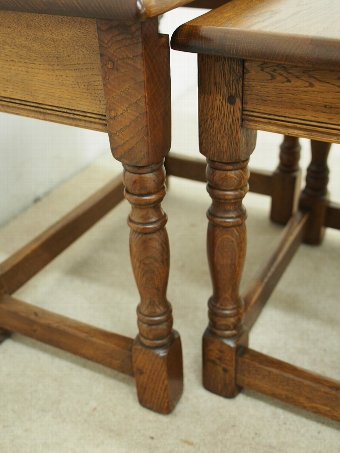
(156, 355)
(314, 196)
(226, 243)
(227, 146)
(286, 181)
(136, 77)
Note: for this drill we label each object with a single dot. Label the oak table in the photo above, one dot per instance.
(272, 65)
(102, 65)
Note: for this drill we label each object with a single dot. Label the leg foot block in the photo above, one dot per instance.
(219, 363)
(159, 375)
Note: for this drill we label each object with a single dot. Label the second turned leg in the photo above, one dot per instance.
(314, 197)
(226, 241)
(286, 181)
(227, 147)
(135, 62)
(157, 352)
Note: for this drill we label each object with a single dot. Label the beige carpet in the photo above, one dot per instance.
(54, 402)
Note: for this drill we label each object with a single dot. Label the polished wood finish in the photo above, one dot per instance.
(226, 246)
(289, 383)
(135, 72)
(110, 9)
(314, 197)
(286, 182)
(269, 105)
(62, 60)
(227, 175)
(259, 30)
(124, 10)
(34, 256)
(233, 140)
(110, 75)
(106, 348)
(264, 284)
(260, 181)
(283, 78)
(136, 79)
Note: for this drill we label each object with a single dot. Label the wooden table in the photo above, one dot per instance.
(271, 65)
(102, 65)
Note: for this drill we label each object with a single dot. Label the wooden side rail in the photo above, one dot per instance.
(194, 169)
(264, 284)
(30, 259)
(106, 348)
(288, 383)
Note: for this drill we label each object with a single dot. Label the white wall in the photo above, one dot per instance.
(37, 155)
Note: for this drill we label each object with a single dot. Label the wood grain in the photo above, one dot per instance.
(109, 9)
(106, 348)
(50, 69)
(260, 181)
(280, 31)
(227, 147)
(226, 247)
(282, 97)
(220, 98)
(314, 197)
(289, 383)
(157, 352)
(126, 10)
(136, 76)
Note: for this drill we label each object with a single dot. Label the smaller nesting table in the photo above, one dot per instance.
(271, 65)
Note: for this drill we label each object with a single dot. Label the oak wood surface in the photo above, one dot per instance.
(30, 259)
(260, 181)
(227, 146)
(289, 383)
(157, 351)
(281, 31)
(106, 348)
(50, 69)
(98, 9)
(122, 9)
(220, 98)
(307, 100)
(136, 76)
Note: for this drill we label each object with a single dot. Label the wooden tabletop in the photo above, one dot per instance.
(103, 9)
(282, 31)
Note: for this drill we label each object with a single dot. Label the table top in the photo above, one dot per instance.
(283, 31)
(103, 9)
